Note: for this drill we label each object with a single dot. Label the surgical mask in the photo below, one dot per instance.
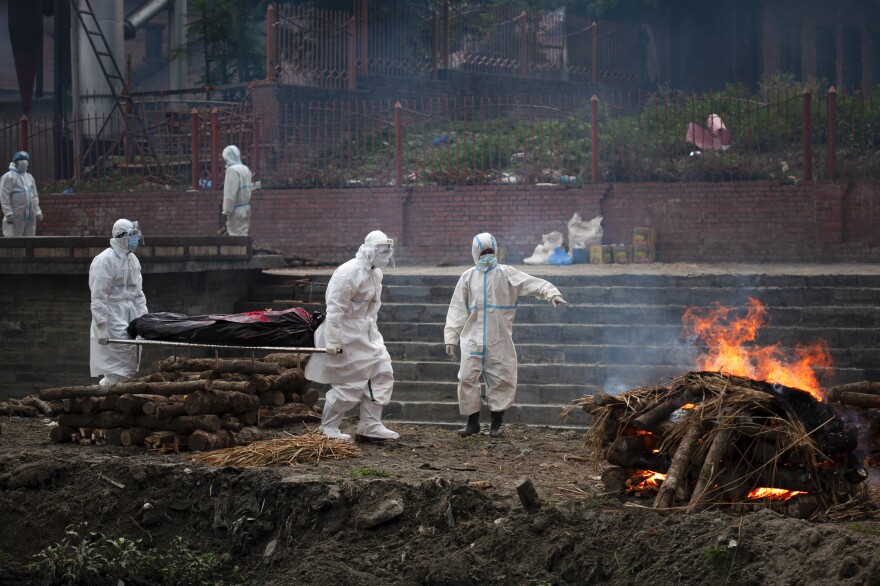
(487, 260)
(383, 257)
(133, 242)
(22, 166)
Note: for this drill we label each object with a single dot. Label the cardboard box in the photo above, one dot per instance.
(623, 253)
(644, 245)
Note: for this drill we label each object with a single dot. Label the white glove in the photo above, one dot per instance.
(101, 333)
(7, 219)
(332, 349)
(39, 217)
(450, 350)
(558, 300)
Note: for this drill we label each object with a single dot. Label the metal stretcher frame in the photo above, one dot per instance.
(217, 346)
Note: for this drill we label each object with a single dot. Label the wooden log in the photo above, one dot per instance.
(288, 418)
(310, 396)
(801, 506)
(647, 420)
(134, 436)
(614, 479)
(205, 402)
(678, 469)
(249, 418)
(239, 366)
(150, 405)
(41, 406)
(165, 441)
(129, 403)
(865, 387)
(101, 420)
(272, 398)
(61, 435)
(608, 400)
(230, 423)
(109, 437)
(202, 441)
(291, 397)
(168, 411)
(291, 380)
(109, 402)
(18, 410)
(248, 387)
(288, 360)
(72, 405)
(166, 389)
(863, 400)
(263, 382)
(641, 443)
(654, 462)
(184, 425)
(528, 496)
(711, 466)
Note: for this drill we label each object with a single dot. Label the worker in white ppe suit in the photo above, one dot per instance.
(117, 298)
(19, 199)
(236, 193)
(480, 321)
(356, 364)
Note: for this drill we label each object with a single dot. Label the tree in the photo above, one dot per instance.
(233, 35)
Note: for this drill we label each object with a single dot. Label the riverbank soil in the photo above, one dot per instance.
(430, 508)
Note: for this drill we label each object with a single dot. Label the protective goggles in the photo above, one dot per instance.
(135, 230)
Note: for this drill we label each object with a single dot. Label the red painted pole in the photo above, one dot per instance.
(832, 117)
(594, 139)
(270, 43)
(24, 132)
(215, 147)
(195, 149)
(255, 163)
(594, 52)
(398, 145)
(808, 137)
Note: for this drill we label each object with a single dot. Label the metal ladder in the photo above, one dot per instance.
(122, 101)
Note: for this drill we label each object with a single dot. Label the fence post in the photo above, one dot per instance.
(365, 47)
(215, 147)
(808, 137)
(398, 145)
(195, 149)
(594, 139)
(352, 54)
(270, 43)
(832, 117)
(256, 160)
(24, 133)
(523, 29)
(594, 51)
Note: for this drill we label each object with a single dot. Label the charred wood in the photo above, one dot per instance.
(205, 402)
(237, 366)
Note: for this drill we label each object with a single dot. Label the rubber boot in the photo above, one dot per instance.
(330, 421)
(472, 427)
(495, 426)
(370, 426)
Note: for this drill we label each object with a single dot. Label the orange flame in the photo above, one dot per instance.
(731, 338)
(647, 479)
(774, 494)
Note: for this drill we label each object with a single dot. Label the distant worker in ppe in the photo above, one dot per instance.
(236, 193)
(480, 321)
(19, 199)
(356, 364)
(117, 298)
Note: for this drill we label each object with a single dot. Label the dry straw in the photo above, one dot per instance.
(286, 451)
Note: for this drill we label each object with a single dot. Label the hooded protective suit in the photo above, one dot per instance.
(480, 320)
(117, 298)
(362, 372)
(236, 193)
(19, 199)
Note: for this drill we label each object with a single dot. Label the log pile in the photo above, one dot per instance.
(188, 404)
(710, 439)
(860, 402)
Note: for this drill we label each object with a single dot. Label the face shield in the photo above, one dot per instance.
(378, 249)
(384, 256)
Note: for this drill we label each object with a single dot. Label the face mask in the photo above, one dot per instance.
(133, 242)
(487, 260)
(383, 257)
(22, 166)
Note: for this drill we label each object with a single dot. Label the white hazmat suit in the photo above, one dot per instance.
(19, 199)
(361, 370)
(480, 321)
(117, 298)
(236, 193)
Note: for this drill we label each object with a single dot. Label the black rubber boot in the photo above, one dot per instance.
(495, 427)
(472, 427)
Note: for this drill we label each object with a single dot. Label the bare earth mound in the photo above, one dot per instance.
(430, 508)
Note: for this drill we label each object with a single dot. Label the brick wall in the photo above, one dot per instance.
(48, 317)
(695, 222)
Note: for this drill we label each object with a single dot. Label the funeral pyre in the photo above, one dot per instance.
(708, 438)
(751, 428)
(190, 403)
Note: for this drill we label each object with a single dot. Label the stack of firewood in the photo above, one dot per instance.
(194, 404)
(710, 439)
(862, 400)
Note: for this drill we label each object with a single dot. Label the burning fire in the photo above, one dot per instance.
(774, 494)
(647, 480)
(731, 349)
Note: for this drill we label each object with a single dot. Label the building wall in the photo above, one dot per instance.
(695, 222)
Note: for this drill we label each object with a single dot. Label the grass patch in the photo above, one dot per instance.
(717, 559)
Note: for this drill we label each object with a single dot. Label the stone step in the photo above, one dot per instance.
(447, 391)
(445, 413)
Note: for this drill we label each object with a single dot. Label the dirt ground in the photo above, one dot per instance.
(461, 521)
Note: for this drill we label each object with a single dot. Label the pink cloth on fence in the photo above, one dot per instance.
(714, 136)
